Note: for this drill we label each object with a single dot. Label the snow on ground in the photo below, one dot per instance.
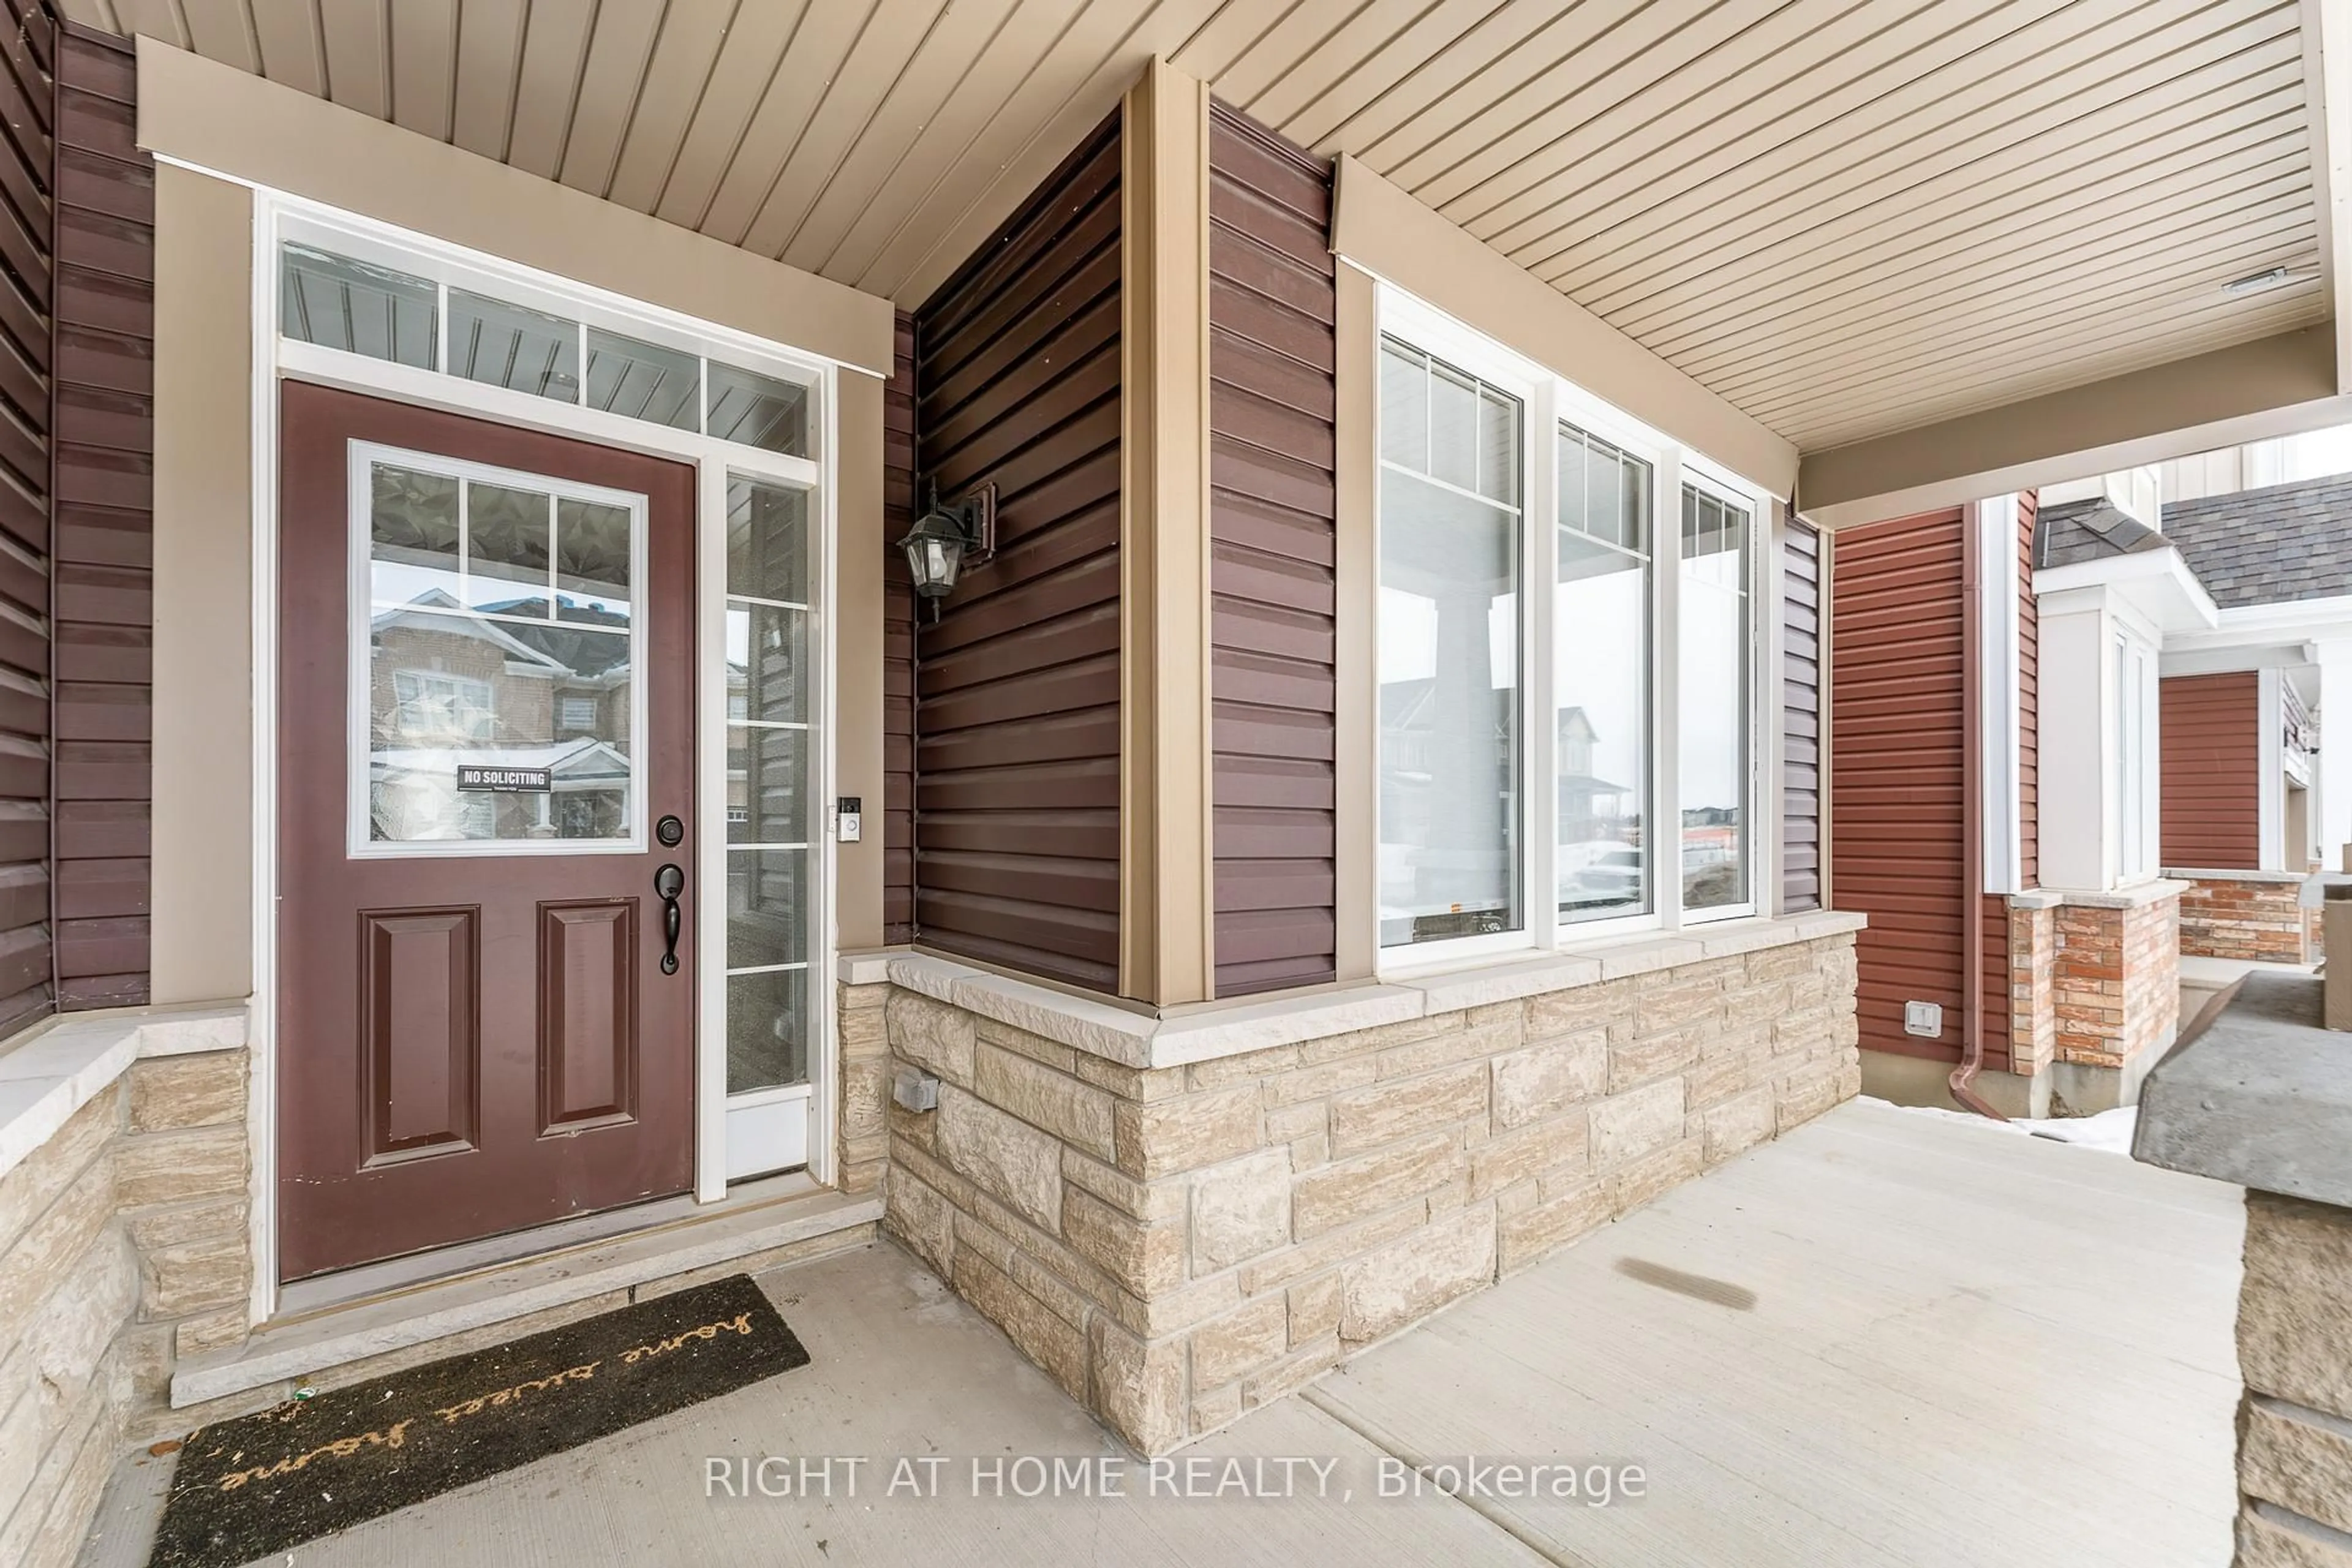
(2110, 1131)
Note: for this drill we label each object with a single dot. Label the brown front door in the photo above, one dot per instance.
(487, 693)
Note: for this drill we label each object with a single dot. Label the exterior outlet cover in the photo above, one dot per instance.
(915, 1090)
(1923, 1019)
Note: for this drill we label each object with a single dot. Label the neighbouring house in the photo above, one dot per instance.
(1231, 678)
(2243, 802)
(2003, 922)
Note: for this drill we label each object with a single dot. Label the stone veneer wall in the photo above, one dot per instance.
(2256, 915)
(2294, 1422)
(1177, 1245)
(2115, 978)
(122, 1245)
(2032, 1000)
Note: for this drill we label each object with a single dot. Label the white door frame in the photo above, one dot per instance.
(273, 358)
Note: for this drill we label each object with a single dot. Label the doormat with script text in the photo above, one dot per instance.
(253, 1487)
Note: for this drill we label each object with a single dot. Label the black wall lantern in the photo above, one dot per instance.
(946, 539)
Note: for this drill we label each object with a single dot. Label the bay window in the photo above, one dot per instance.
(1567, 763)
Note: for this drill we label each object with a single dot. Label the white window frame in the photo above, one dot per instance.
(280, 217)
(1550, 401)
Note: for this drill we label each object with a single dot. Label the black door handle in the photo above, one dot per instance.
(669, 882)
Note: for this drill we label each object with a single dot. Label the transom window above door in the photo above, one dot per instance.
(502, 332)
(1565, 761)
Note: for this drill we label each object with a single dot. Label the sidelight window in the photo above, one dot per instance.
(1583, 759)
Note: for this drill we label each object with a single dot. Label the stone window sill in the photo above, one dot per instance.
(1178, 1036)
(50, 1072)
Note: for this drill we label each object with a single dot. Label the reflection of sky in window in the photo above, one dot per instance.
(396, 583)
(1597, 656)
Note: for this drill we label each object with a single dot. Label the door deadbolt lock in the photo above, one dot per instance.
(670, 831)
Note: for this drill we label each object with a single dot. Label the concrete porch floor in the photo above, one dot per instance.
(1887, 1338)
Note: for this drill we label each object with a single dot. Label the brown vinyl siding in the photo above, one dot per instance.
(105, 524)
(2029, 701)
(2211, 731)
(26, 279)
(1016, 832)
(1801, 718)
(1273, 518)
(1896, 763)
(897, 806)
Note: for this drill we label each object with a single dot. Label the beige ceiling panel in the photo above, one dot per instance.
(620, 48)
(554, 47)
(1898, 185)
(490, 53)
(1609, 85)
(899, 32)
(2170, 348)
(292, 52)
(2139, 196)
(822, 41)
(1530, 33)
(1847, 217)
(424, 66)
(2004, 353)
(359, 59)
(1017, 61)
(684, 56)
(1843, 125)
(1703, 140)
(1989, 143)
(1330, 33)
(224, 30)
(2236, 244)
(942, 71)
(1738, 269)
(1233, 30)
(159, 19)
(1314, 95)
(2044, 271)
(2136, 343)
(740, 79)
(1098, 59)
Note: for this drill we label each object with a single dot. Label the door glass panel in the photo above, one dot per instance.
(643, 381)
(767, 541)
(767, 663)
(767, 1029)
(591, 567)
(491, 717)
(506, 550)
(767, 907)
(772, 815)
(767, 779)
(514, 347)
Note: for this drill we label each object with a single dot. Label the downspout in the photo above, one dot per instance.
(1972, 897)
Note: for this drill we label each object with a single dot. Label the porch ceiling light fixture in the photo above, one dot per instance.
(2259, 282)
(945, 538)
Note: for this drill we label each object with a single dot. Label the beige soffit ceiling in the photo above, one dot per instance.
(1848, 217)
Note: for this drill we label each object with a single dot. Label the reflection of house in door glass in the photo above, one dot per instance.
(489, 649)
